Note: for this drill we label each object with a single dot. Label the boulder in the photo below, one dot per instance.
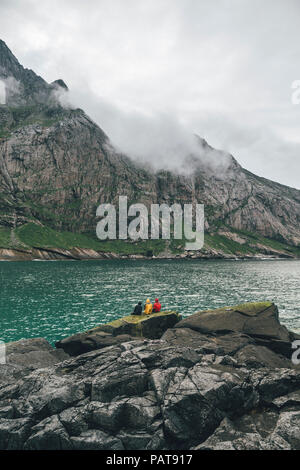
(253, 319)
(119, 331)
(207, 344)
(89, 341)
(33, 354)
(264, 430)
(259, 321)
(147, 326)
(253, 356)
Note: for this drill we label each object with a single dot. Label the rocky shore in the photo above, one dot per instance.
(220, 379)
(84, 254)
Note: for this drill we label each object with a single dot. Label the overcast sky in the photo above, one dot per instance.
(152, 71)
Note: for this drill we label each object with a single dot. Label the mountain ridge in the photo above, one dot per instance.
(57, 165)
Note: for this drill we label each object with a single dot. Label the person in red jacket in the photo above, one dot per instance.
(156, 306)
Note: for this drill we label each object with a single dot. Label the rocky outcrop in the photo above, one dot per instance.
(48, 254)
(23, 86)
(33, 353)
(217, 389)
(245, 322)
(27, 355)
(119, 331)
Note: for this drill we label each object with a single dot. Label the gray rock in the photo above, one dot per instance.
(33, 354)
(252, 319)
(231, 328)
(85, 342)
(253, 356)
(217, 391)
(145, 394)
(275, 383)
(119, 331)
(13, 433)
(228, 343)
(287, 428)
(229, 437)
(96, 440)
(49, 434)
(289, 401)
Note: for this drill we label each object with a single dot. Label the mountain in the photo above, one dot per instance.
(57, 166)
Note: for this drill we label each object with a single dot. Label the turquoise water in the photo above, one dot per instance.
(57, 299)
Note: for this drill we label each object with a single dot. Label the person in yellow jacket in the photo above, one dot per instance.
(148, 307)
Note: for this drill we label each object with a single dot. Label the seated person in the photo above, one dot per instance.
(138, 309)
(156, 306)
(148, 307)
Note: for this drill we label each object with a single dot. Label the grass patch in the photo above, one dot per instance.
(228, 246)
(249, 308)
(35, 235)
(220, 242)
(4, 237)
(269, 242)
(135, 319)
(45, 237)
(252, 307)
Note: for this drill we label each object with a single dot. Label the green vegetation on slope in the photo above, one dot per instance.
(34, 235)
(222, 243)
(22, 116)
(228, 246)
(268, 242)
(4, 237)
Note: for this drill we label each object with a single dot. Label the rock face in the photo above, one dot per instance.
(259, 321)
(33, 353)
(27, 355)
(119, 331)
(57, 166)
(23, 86)
(189, 390)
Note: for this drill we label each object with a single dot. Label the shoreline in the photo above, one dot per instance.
(81, 254)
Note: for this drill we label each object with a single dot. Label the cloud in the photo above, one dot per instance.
(9, 90)
(160, 69)
(2, 92)
(156, 139)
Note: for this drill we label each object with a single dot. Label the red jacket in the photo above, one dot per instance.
(156, 307)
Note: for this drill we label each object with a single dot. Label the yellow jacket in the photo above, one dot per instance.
(148, 307)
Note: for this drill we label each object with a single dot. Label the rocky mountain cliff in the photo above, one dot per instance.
(57, 166)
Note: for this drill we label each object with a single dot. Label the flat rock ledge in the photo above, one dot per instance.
(119, 331)
(219, 379)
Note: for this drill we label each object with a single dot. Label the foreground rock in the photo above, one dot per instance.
(192, 390)
(119, 331)
(26, 355)
(233, 327)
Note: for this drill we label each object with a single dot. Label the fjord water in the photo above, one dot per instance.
(57, 299)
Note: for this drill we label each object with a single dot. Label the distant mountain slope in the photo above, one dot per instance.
(57, 166)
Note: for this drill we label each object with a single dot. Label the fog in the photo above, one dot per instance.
(2, 92)
(157, 139)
